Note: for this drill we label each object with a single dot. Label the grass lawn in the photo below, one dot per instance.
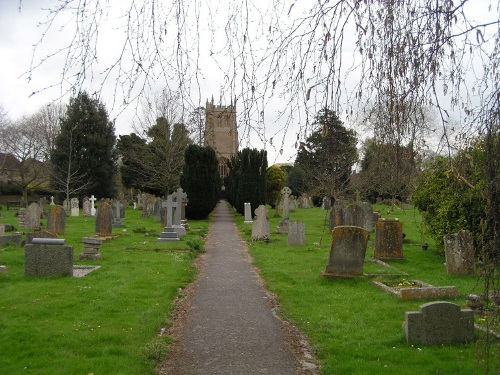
(107, 322)
(104, 323)
(354, 327)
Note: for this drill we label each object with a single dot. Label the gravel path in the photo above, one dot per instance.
(226, 323)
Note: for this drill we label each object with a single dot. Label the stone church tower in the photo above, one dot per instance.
(221, 132)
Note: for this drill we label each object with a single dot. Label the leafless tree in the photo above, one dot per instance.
(24, 142)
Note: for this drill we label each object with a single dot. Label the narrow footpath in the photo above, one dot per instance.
(228, 324)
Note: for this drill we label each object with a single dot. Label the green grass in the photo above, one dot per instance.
(107, 322)
(354, 327)
(104, 323)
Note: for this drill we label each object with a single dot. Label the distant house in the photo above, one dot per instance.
(9, 168)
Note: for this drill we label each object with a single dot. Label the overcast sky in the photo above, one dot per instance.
(19, 32)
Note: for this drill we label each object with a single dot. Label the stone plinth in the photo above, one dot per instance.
(91, 247)
(420, 290)
(48, 259)
(168, 234)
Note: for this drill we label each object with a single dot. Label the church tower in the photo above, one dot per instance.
(221, 132)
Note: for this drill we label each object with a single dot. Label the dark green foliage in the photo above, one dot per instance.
(246, 181)
(275, 181)
(84, 157)
(200, 180)
(296, 180)
(132, 149)
(328, 155)
(451, 199)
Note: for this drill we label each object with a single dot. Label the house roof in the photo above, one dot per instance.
(8, 162)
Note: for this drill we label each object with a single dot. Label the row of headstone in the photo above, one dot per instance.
(305, 201)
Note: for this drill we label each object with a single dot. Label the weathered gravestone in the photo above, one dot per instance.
(157, 209)
(347, 252)
(326, 204)
(354, 215)
(336, 215)
(388, 239)
(304, 201)
(283, 224)
(104, 220)
(438, 323)
(248, 214)
(459, 252)
(39, 234)
(75, 210)
(292, 204)
(14, 238)
(56, 220)
(117, 217)
(33, 215)
(67, 206)
(48, 257)
(21, 217)
(296, 233)
(169, 233)
(2, 229)
(86, 207)
(260, 227)
(91, 246)
(368, 222)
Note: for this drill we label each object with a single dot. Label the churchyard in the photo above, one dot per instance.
(107, 322)
(354, 326)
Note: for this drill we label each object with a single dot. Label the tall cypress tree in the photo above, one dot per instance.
(200, 180)
(84, 157)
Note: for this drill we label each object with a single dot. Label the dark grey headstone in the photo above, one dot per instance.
(48, 260)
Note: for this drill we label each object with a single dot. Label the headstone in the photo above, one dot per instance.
(347, 252)
(439, 323)
(292, 204)
(178, 197)
(336, 215)
(117, 219)
(326, 204)
(368, 222)
(56, 220)
(135, 205)
(39, 234)
(48, 257)
(75, 210)
(86, 207)
(296, 233)
(169, 233)
(14, 238)
(164, 213)
(42, 202)
(157, 209)
(261, 227)
(104, 220)
(91, 246)
(92, 205)
(67, 206)
(33, 215)
(354, 215)
(184, 221)
(283, 224)
(52, 201)
(2, 229)
(4, 269)
(304, 201)
(388, 239)
(459, 253)
(21, 217)
(248, 213)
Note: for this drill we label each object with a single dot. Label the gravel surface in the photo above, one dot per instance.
(226, 322)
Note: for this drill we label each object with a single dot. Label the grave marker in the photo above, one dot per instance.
(92, 205)
(104, 220)
(296, 233)
(75, 210)
(439, 323)
(56, 220)
(248, 213)
(33, 215)
(459, 253)
(48, 257)
(261, 227)
(388, 239)
(347, 252)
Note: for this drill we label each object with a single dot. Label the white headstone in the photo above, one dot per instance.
(75, 211)
(92, 203)
(248, 213)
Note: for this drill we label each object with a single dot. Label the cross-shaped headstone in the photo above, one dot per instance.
(179, 195)
(92, 208)
(52, 201)
(285, 192)
(169, 204)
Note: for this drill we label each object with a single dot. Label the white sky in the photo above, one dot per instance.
(19, 32)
